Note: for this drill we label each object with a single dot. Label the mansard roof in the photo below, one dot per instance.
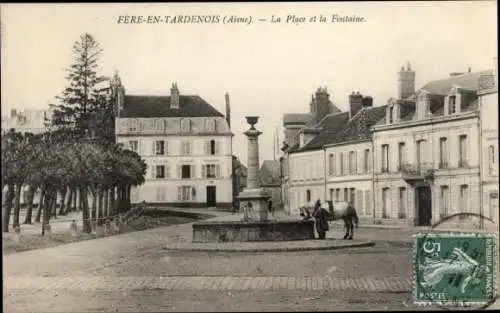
(159, 106)
(467, 81)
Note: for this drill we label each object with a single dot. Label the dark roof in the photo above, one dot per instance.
(330, 126)
(270, 173)
(159, 106)
(296, 118)
(468, 81)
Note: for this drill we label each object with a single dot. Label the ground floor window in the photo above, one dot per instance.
(493, 203)
(402, 203)
(385, 202)
(464, 200)
(186, 193)
(444, 201)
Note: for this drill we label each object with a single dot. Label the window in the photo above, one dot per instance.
(491, 159)
(160, 194)
(443, 152)
(346, 194)
(186, 193)
(391, 113)
(186, 171)
(133, 145)
(452, 101)
(464, 200)
(444, 198)
(341, 163)
(210, 125)
(132, 125)
(185, 125)
(185, 147)
(211, 170)
(352, 196)
(385, 158)
(420, 152)
(160, 124)
(402, 203)
(493, 205)
(331, 194)
(462, 151)
(401, 155)
(352, 162)
(366, 166)
(159, 147)
(212, 147)
(337, 194)
(308, 195)
(331, 164)
(160, 171)
(385, 202)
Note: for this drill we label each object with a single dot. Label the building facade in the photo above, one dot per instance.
(424, 155)
(269, 179)
(488, 106)
(186, 144)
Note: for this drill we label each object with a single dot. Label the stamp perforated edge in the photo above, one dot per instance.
(454, 234)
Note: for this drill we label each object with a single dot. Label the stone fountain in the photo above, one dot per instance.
(259, 228)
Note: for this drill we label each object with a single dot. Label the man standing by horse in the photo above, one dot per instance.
(350, 218)
(321, 216)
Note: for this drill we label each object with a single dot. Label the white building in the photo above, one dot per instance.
(488, 106)
(186, 144)
(27, 121)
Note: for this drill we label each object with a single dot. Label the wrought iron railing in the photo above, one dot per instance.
(419, 169)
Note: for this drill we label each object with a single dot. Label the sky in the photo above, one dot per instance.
(267, 68)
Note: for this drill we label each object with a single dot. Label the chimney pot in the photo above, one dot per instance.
(470, 70)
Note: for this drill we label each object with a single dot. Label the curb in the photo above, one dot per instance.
(284, 249)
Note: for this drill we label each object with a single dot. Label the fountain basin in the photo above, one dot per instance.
(244, 231)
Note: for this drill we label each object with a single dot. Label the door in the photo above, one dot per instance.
(424, 206)
(211, 196)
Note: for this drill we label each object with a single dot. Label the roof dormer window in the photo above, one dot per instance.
(210, 125)
(452, 104)
(391, 114)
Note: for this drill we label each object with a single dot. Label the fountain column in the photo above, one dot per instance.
(253, 193)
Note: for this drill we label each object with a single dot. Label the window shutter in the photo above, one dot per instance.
(193, 193)
(166, 147)
(167, 170)
(217, 171)
(217, 147)
(179, 193)
(206, 144)
(179, 173)
(154, 148)
(203, 171)
(193, 171)
(153, 171)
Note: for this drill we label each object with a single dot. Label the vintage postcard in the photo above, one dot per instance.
(302, 156)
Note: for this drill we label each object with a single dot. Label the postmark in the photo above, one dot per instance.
(454, 269)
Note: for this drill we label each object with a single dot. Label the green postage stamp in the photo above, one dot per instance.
(454, 269)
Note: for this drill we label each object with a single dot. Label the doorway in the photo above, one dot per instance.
(211, 196)
(423, 204)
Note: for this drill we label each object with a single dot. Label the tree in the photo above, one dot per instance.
(80, 101)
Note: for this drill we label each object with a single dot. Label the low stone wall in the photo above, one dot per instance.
(253, 231)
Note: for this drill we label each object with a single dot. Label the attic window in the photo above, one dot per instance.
(452, 104)
(391, 115)
(210, 125)
(185, 125)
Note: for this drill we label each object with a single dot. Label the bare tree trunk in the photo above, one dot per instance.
(17, 205)
(41, 204)
(100, 206)
(112, 205)
(46, 209)
(87, 228)
(106, 202)
(82, 199)
(29, 211)
(94, 204)
(63, 192)
(53, 204)
(128, 191)
(75, 200)
(69, 201)
(8, 207)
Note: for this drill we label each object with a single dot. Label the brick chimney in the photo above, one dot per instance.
(321, 104)
(355, 103)
(174, 96)
(406, 82)
(367, 102)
